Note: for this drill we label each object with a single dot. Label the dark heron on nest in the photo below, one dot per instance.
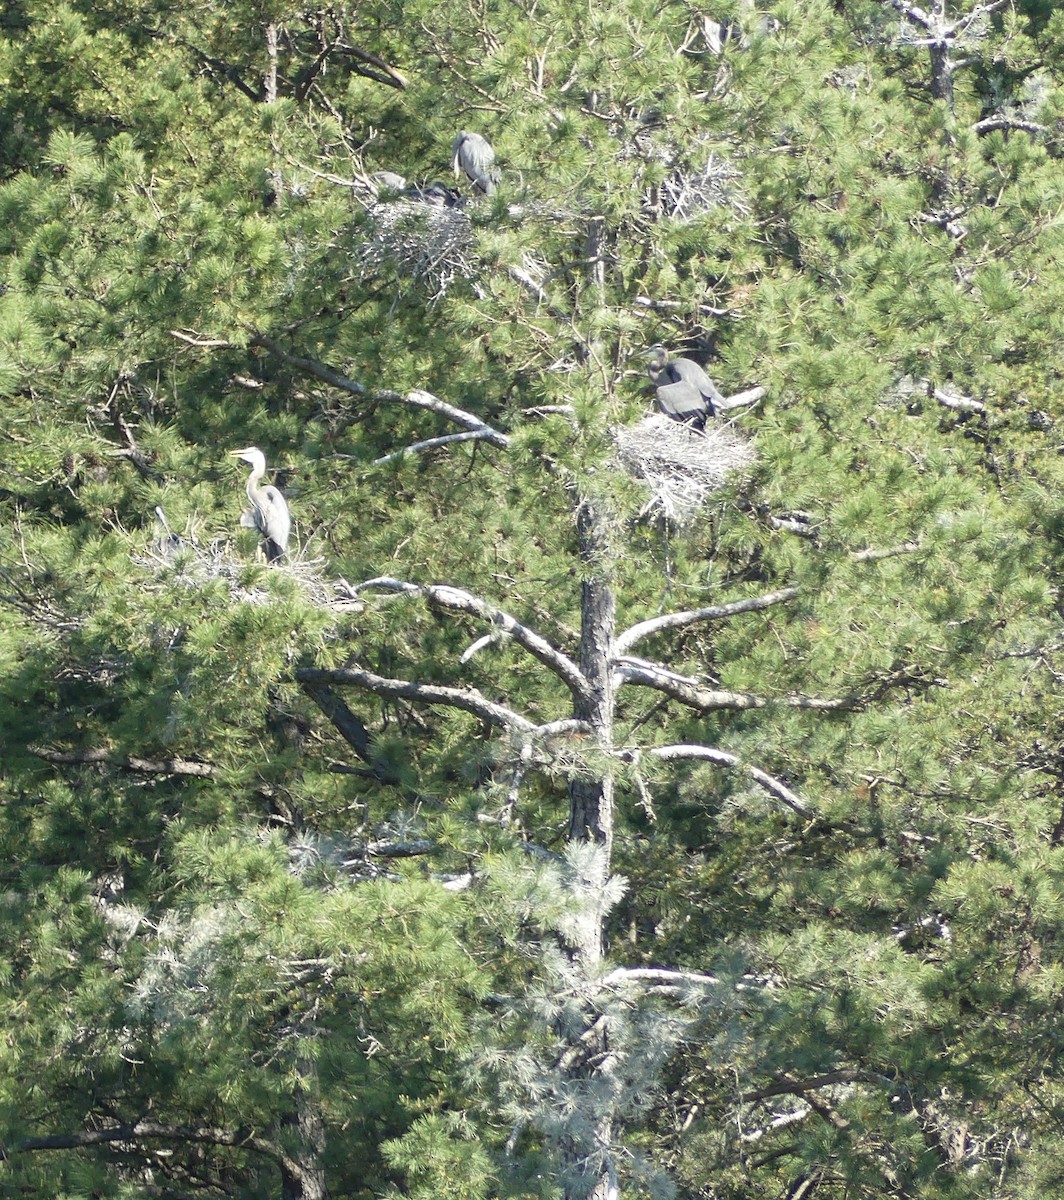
(685, 392)
(473, 155)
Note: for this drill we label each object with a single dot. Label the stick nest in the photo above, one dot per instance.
(193, 566)
(689, 193)
(424, 245)
(681, 466)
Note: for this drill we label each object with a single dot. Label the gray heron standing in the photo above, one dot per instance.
(685, 392)
(473, 154)
(269, 510)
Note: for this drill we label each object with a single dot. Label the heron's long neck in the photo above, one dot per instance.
(254, 479)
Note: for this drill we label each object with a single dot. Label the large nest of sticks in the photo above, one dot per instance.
(184, 563)
(426, 245)
(688, 193)
(681, 466)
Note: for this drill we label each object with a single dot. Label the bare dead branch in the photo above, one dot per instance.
(134, 1131)
(410, 849)
(642, 975)
(466, 699)
(141, 766)
(1001, 121)
(958, 402)
(724, 758)
(417, 398)
(915, 14)
(740, 399)
(716, 612)
(811, 1083)
(456, 600)
(690, 691)
(200, 340)
(364, 60)
(666, 305)
(887, 552)
(470, 435)
(349, 727)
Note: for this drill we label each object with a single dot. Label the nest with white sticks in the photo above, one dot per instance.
(426, 245)
(182, 562)
(682, 467)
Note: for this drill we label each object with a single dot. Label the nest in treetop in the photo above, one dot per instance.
(184, 563)
(687, 195)
(430, 246)
(681, 467)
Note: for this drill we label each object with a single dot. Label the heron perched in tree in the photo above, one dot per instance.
(167, 544)
(269, 510)
(473, 154)
(685, 392)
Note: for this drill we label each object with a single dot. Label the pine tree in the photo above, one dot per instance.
(584, 802)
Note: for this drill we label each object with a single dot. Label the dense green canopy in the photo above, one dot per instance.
(585, 807)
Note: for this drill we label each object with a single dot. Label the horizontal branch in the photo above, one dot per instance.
(675, 305)
(690, 692)
(142, 766)
(455, 599)
(410, 849)
(715, 612)
(812, 1083)
(740, 399)
(874, 555)
(659, 975)
(958, 402)
(417, 398)
(466, 699)
(470, 435)
(1001, 121)
(243, 1139)
(724, 758)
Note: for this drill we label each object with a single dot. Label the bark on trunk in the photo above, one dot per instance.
(591, 795)
(589, 1169)
(305, 1132)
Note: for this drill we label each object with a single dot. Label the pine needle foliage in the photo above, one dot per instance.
(312, 871)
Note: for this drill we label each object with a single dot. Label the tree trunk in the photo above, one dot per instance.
(588, 1169)
(305, 1137)
(941, 74)
(591, 795)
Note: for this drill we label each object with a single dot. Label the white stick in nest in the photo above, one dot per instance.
(681, 466)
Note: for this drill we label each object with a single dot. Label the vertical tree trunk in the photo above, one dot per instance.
(941, 74)
(305, 1138)
(591, 795)
(589, 1170)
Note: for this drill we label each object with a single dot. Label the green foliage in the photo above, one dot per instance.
(221, 910)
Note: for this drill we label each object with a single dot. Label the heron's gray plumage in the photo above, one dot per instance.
(269, 510)
(168, 543)
(387, 181)
(473, 155)
(684, 391)
(436, 195)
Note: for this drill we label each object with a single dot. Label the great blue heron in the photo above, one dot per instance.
(685, 392)
(269, 510)
(385, 182)
(436, 195)
(473, 154)
(167, 544)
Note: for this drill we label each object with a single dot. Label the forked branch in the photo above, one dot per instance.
(454, 599)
